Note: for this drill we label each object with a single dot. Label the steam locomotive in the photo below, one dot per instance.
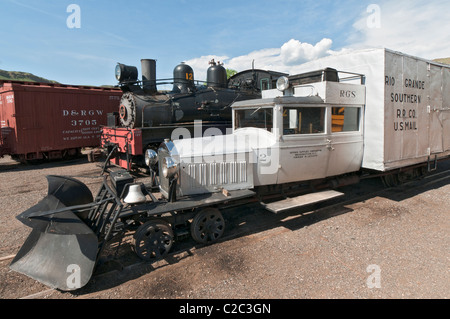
(147, 116)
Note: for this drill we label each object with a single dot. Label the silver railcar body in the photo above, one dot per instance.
(306, 133)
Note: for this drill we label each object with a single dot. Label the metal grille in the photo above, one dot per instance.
(214, 174)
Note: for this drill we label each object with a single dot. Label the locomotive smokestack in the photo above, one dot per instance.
(148, 69)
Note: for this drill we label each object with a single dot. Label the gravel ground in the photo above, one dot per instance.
(394, 244)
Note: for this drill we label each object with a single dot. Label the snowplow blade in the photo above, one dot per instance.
(61, 249)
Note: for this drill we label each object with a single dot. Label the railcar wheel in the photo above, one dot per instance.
(153, 240)
(391, 180)
(208, 226)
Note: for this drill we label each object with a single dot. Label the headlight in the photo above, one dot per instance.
(118, 72)
(126, 73)
(282, 83)
(169, 167)
(151, 157)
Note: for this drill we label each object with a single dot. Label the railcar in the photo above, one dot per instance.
(52, 121)
(317, 131)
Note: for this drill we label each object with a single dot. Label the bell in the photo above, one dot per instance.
(134, 195)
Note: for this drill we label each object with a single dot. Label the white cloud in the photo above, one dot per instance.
(294, 52)
(413, 27)
(281, 59)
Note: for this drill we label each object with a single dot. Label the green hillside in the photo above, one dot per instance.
(443, 60)
(22, 76)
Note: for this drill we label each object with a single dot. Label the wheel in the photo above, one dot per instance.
(420, 172)
(403, 177)
(208, 226)
(153, 240)
(391, 180)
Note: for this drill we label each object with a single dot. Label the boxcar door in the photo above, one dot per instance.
(435, 107)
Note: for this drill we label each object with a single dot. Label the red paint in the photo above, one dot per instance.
(127, 140)
(52, 120)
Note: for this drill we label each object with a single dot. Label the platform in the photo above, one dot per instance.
(299, 201)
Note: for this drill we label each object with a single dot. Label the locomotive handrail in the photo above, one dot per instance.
(158, 81)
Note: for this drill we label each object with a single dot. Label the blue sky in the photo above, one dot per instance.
(277, 34)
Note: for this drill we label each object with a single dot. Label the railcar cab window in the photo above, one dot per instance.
(303, 120)
(256, 117)
(265, 84)
(345, 119)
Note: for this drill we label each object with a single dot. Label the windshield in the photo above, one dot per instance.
(255, 117)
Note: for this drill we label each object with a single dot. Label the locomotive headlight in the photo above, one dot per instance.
(282, 83)
(126, 73)
(118, 72)
(151, 157)
(169, 167)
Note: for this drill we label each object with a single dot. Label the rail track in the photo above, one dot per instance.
(249, 221)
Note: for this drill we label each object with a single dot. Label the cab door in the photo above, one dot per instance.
(345, 139)
(303, 147)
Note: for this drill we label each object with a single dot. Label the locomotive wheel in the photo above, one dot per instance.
(208, 226)
(153, 240)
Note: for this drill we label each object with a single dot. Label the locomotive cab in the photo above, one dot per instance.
(299, 132)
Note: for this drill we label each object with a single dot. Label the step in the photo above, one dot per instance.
(302, 200)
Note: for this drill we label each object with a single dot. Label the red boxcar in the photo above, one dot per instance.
(47, 121)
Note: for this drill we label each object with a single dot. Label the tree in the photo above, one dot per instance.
(230, 73)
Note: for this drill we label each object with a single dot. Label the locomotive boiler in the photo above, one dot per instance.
(147, 116)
